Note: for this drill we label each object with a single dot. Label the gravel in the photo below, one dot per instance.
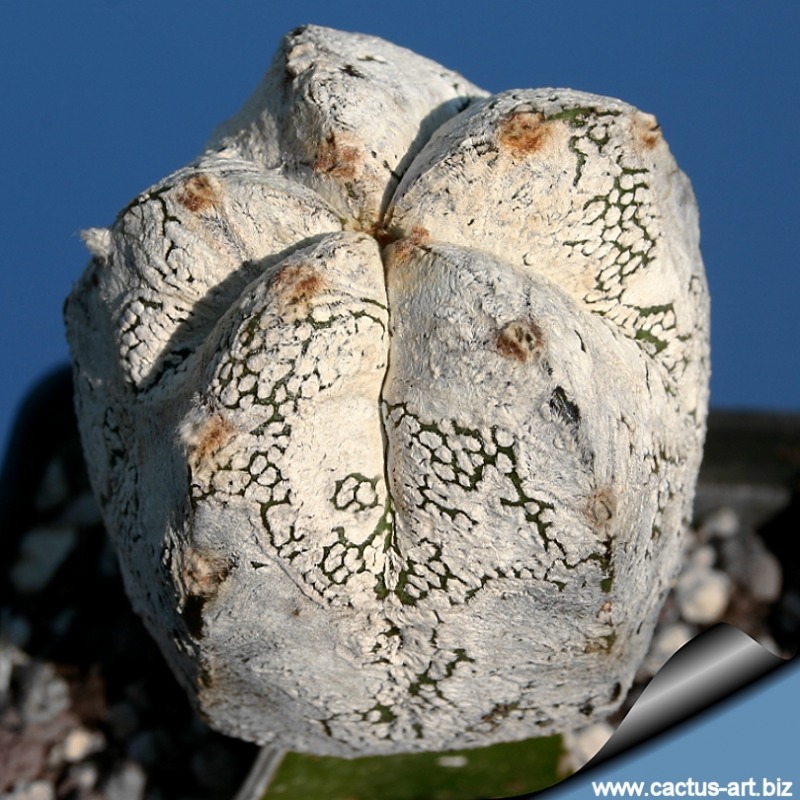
(580, 746)
(668, 639)
(702, 594)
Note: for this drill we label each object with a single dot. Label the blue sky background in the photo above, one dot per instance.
(101, 98)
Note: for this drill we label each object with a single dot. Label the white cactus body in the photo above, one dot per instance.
(394, 402)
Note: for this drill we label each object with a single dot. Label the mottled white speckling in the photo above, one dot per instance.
(394, 403)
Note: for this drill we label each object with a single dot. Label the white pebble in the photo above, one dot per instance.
(584, 744)
(667, 641)
(704, 556)
(42, 552)
(127, 783)
(765, 577)
(32, 790)
(80, 743)
(723, 523)
(83, 775)
(702, 594)
(44, 694)
(750, 564)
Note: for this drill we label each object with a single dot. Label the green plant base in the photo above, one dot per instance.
(503, 770)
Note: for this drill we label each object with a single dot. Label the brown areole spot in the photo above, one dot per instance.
(202, 574)
(382, 233)
(521, 340)
(602, 507)
(297, 282)
(208, 438)
(336, 158)
(647, 130)
(400, 250)
(198, 193)
(295, 286)
(523, 133)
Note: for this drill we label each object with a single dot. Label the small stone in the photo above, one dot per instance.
(12, 659)
(765, 577)
(666, 642)
(723, 523)
(583, 745)
(452, 762)
(44, 695)
(748, 561)
(42, 552)
(691, 541)
(31, 790)
(703, 556)
(81, 743)
(702, 594)
(83, 776)
(127, 782)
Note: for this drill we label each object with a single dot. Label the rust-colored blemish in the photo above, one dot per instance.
(522, 133)
(202, 574)
(381, 234)
(208, 438)
(336, 158)
(204, 571)
(648, 131)
(520, 340)
(295, 286)
(401, 248)
(198, 193)
(602, 507)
